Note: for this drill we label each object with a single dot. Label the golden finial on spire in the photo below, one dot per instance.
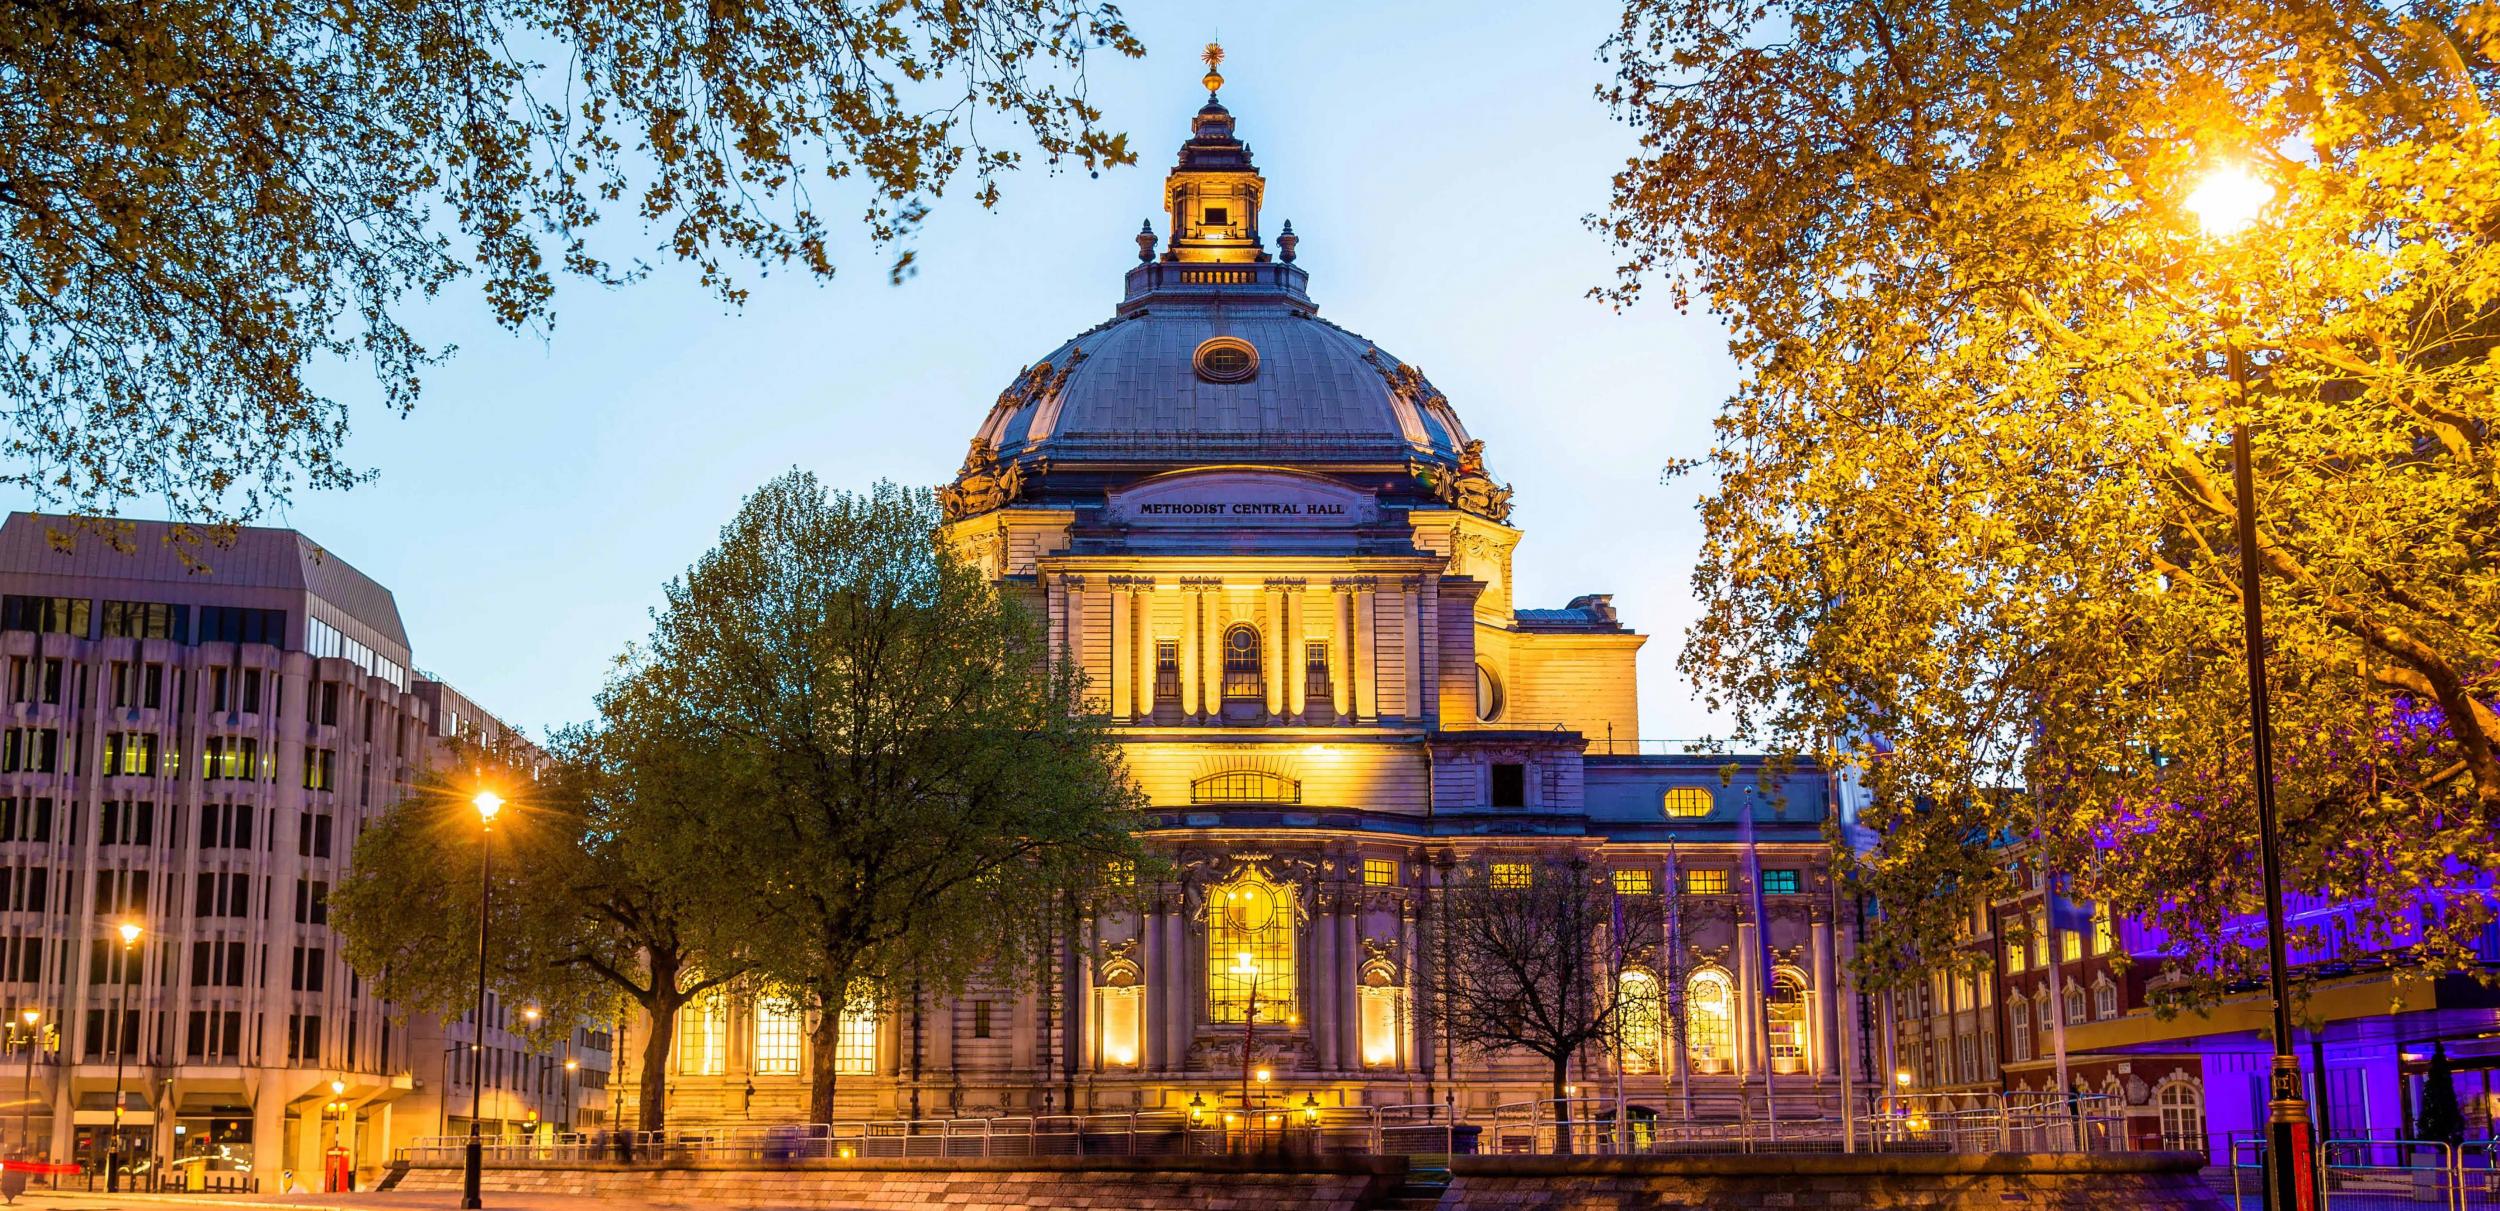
(1214, 58)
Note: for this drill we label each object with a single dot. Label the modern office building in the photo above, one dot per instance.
(191, 749)
(1285, 567)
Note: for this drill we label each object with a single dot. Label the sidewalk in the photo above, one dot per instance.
(363, 1200)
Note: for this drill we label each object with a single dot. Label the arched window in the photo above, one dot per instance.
(2019, 1011)
(1249, 951)
(1640, 1020)
(1119, 1013)
(2074, 1005)
(1380, 1000)
(1245, 786)
(1243, 676)
(2104, 999)
(1710, 1016)
(2182, 1116)
(1786, 1012)
(776, 1036)
(703, 1035)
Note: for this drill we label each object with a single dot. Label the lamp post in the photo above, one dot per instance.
(474, 1162)
(113, 1151)
(33, 1018)
(1243, 967)
(2225, 204)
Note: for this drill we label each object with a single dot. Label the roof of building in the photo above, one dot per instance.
(254, 557)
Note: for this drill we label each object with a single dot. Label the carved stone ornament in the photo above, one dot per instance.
(1467, 487)
(983, 483)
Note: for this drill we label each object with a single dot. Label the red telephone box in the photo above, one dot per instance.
(338, 1172)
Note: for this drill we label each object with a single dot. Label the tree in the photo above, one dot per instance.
(605, 889)
(1538, 951)
(901, 770)
(1971, 510)
(2441, 1119)
(203, 206)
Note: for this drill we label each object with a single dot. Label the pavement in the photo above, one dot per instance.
(363, 1200)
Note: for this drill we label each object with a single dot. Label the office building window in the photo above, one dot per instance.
(34, 750)
(145, 620)
(237, 624)
(122, 823)
(1781, 883)
(48, 615)
(320, 769)
(129, 754)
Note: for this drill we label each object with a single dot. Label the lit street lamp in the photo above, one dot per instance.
(113, 1152)
(2228, 200)
(487, 803)
(26, 1103)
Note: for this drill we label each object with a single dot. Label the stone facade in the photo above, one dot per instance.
(1997, 1182)
(1333, 1184)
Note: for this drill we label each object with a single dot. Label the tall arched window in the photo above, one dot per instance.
(2182, 1117)
(1640, 1021)
(2018, 1012)
(1710, 1016)
(703, 1035)
(1786, 1013)
(1249, 951)
(1243, 670)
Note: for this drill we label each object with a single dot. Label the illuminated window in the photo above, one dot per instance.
(1705, 883)
(855, 1043)
(703, 1035)
(1315, 683)
(1119, 873)
(2018, 1012)
(1780, 883)
(1377, 1004)
(1635, 883)
(1641, 1019)
(1511, 874)
(2013, 951)
(1167, 669)
(1689, 802)
(1242, 674)
(1123, 1009)
(1786, 1013)
(776, 1037)
(1710, 1016)
(1245, 786)
(2182, 1117)
(1249, 952)
(1380, 872)
(2039, 938)
(2104, 934)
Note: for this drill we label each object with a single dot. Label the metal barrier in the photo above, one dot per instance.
(2478, 1176)
(2388, 1175)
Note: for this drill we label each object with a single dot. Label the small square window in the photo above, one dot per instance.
(1705, 883)
(1635, 883)
(1510, 784)
(1380, 872)
(1219, 216)
(1780, 883)
(1511, 874)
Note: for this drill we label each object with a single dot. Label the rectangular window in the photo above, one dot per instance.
(1635, 883)
(145, 620)
(1250, 952)
(1511, 875)
(1379, 1011)
(251, 691)
(320, 769)
(312, 836)
(855, 1043)
(1167, 670)
(1122, 1012)
(1510, 784)
(776, 1037)
(129, 754)
(2039, 937)
(1780, 883)
(33, 750)
(1219, 216)
(703, 1036)
(238, 624)
(1315, 684)
(2069, 945)
(980, 1019)
(1380, 872)
(48, 615)
(2104, 933)
(1705, 883)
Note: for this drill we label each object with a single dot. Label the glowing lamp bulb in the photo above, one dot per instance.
(1264, 1074)
(1902, 1078)
(32, 1016)
(2229, 199)
(530, 1014)
(130, 933)
(487, 804)
(337, 1088)
(572, 1065)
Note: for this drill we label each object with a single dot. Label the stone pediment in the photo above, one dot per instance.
(1235, 498)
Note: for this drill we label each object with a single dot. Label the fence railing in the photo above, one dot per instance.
(2379, 1174)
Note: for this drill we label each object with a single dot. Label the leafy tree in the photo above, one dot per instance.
(604, 891)
(2441, 1118)
(202, 202)
(1538, 948)
(1972, 503)
(900, 769)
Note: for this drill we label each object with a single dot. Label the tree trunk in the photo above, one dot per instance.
(821, 1073)
(661, 1008)
(1562, 1107)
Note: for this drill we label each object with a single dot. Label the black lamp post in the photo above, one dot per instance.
(474, 1162)
(2226, 203)
(113, 1151)
(26, 1103)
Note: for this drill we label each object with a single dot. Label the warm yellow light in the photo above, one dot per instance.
(1264, 1074)
(1242, 966)
(1571, 1091)
(1378, 1055)
(1902, 1078)
(572, 1065)
(530, 1014)
(32, 1016)
(487, 804)
(1122, 1056)
(130, 933)
(2229, 199)
(337, 1088)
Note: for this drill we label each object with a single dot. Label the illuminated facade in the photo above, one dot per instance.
(1279, 558)
(194, 753)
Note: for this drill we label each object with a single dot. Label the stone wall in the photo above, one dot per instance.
(2138, 1181)
(1329, 1184)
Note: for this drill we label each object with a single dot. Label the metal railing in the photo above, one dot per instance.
(1905, 1123)
(2378, 1174)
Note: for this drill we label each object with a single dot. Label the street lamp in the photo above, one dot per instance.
(113, 1152)
(1249, 971)
(487, 804)
(26, 1103)
(2225, 204)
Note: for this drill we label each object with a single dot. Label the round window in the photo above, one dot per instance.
(1227, 360)
(1488, 695)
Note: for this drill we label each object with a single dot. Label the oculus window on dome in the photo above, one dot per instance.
(1227, 359)
(1488, 695)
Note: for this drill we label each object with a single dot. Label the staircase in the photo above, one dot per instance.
(1427, 1179)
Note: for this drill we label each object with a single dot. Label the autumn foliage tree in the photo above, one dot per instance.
(204, 203)
(1970, 516)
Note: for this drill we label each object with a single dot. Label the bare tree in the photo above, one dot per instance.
(1538, 948)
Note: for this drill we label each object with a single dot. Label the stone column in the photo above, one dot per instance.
(1181, 988)
(1075, 595)
(1341, 651)
(1366, 673)
(1748, 994)
(1144, 629)
(1411, 617)
(1826, 1057)
(1349, 967)
(1275, 648)
(1430, 641)
(1191, 603)
(1323, 967)
(1297, 676)
(1211, 640)
(1121, 649)
(1156, 980)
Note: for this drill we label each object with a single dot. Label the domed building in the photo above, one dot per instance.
(1283, 563)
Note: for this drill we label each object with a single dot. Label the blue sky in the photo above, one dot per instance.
(1436, 160)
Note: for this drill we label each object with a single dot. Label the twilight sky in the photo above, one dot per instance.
(1436, 160)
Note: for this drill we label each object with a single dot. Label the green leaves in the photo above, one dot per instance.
(1973, 526)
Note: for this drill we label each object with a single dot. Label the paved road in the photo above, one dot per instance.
(395, 1200)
